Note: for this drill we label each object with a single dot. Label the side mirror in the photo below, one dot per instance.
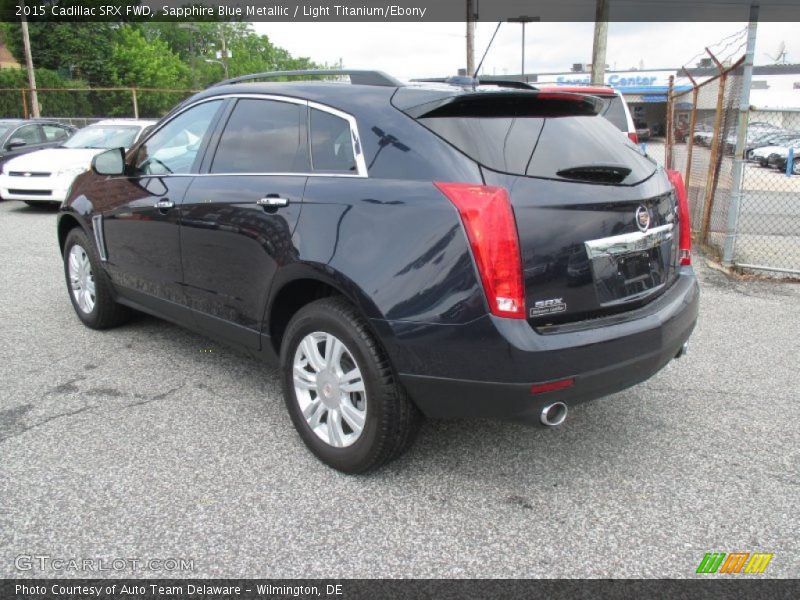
(110, 162)
(15, 143)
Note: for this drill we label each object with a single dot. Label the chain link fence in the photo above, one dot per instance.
(743, 213)
(90, 104)
(768, 227)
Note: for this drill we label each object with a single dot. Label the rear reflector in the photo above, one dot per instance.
(633, 137)
(685, 239)
(540, 388)
(492, 231)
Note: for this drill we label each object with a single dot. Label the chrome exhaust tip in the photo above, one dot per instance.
(684, 350)
(553, 414)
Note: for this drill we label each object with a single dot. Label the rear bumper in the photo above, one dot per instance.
(486, 368)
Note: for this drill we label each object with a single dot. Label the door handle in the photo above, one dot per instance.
(165, 204)
(272, 202)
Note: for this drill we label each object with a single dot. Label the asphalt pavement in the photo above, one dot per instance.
(149, 442)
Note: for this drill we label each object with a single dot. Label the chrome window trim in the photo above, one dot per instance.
(355, 138)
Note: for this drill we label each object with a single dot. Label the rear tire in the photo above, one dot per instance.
(88, 285)
(354, 424)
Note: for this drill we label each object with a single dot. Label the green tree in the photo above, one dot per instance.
(137, 62)
(79, 50)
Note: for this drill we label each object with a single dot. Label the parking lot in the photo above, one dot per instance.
(151, 442)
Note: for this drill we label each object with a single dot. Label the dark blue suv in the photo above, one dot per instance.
(400, 250)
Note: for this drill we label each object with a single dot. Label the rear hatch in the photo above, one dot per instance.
(596, 219)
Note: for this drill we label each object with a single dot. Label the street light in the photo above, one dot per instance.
(523, 20)
(219, 62)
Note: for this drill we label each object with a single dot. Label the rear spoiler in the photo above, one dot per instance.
(495, 103)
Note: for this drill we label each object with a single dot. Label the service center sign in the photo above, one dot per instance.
(620, 81)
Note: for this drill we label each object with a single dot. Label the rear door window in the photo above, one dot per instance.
(263, 136)
(331, 143)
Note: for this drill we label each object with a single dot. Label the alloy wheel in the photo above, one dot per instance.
(81, 279)
(330, 389)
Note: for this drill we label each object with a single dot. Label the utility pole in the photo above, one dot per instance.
(600, 40)
(26, 42)
(524, 21)
(471, 14)
(741, 140)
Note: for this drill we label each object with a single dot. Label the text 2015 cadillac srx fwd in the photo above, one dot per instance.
(401, 250)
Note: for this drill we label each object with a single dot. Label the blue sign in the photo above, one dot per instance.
(616, 81)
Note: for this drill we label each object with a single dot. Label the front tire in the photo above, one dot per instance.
(88, 286)
(341, 391)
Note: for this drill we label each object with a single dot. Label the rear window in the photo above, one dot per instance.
(615, 112)
(583, 148)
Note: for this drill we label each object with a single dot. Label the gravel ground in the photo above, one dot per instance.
(151, 442)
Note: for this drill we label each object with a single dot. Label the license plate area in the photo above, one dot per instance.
(631, 266)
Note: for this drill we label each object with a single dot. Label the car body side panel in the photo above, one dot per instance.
(400, 242)
(233, 247)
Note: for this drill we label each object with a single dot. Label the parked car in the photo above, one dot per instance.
(703, 134)
(782, 160)
(44, 177)
(21, 136)
(642, 131)
(374, 240)
(615, 110)
(770, 156)
(775, 139)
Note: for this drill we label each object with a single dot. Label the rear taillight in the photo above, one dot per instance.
(685, 239)
(492, 231)
(633, 137)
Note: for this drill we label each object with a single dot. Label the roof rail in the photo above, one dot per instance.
(357, 76)
(466, 81)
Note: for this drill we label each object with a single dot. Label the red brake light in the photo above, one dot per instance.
(633, 137)
(492, 231)
(566, 96)
(685, 239)
(541, 388)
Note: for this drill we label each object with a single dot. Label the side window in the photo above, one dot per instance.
(331, 143)
(173, 149)
(28, 133)
(263, 136)
(54, 133)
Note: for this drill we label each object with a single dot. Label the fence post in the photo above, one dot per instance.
(692, 125)
(135, 103)
(670, 119)
(708, 196)
(24, 103)
(739, 159)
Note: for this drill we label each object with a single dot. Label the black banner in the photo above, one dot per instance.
(393, 10)
(438, 589)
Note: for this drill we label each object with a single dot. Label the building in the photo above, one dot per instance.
(775, 90)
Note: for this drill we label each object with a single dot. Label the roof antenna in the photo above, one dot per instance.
(480, 64)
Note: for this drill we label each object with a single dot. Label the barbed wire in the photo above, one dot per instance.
(735, 35)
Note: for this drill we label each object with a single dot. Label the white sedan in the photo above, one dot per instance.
(46, 176)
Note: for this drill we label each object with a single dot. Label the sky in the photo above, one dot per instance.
(408, 50)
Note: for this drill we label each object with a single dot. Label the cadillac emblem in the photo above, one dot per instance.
(642, 218)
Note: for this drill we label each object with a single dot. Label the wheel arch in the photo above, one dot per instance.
(67, 221)
(302, 284)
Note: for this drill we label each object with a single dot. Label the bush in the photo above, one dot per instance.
(52, 103)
